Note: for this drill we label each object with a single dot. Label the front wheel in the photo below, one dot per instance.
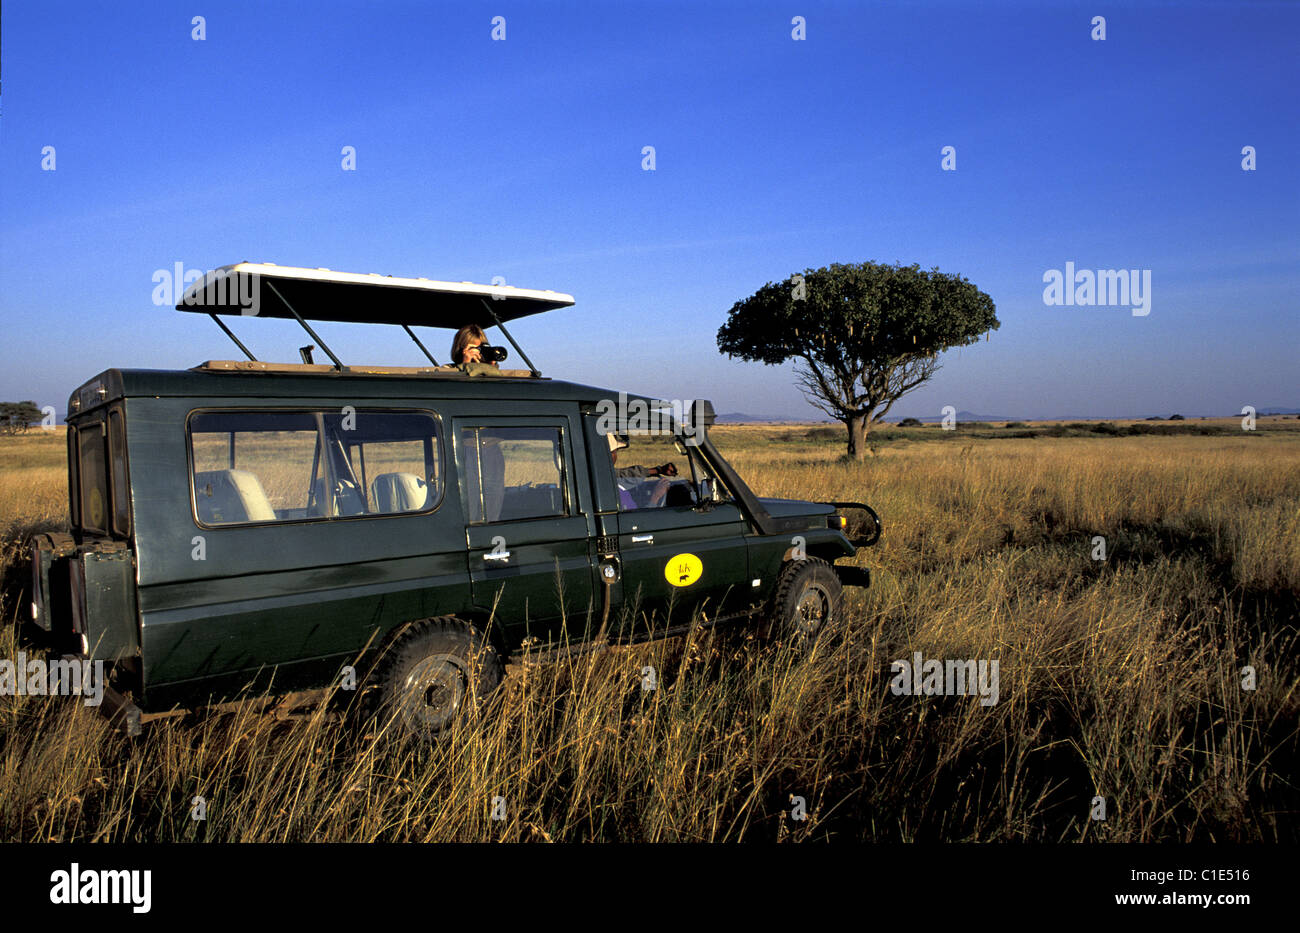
(808, 602)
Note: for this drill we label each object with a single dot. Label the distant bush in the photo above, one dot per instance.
(1145, 429)
(910, 423)
(1154, 418)
(1014, 424)
(1177, 418)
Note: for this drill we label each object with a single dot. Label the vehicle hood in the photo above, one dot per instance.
(790, 508)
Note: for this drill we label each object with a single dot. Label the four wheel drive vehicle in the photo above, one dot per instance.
(268, 524)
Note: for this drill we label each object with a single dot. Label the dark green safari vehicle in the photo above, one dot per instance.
(291, 526)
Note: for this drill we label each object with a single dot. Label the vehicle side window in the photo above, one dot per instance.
(514, 473)
(642, 481)
(269, 466)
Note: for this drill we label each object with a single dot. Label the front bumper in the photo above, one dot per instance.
(853, 576)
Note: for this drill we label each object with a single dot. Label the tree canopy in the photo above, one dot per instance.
(864, 334)
(16, 417)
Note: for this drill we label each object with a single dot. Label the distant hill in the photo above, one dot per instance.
(961, 416)
(969, 416)
(739, 417)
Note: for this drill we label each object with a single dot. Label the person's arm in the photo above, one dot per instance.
(641, 472)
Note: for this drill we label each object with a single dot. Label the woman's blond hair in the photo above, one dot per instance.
(463, 336)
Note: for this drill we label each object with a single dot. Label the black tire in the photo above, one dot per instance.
(437, 672)
(808, 603)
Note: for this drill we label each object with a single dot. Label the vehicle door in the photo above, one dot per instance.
(679, 553)
(528, 533)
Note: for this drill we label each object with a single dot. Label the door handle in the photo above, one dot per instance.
(643, 539)
(497, 555)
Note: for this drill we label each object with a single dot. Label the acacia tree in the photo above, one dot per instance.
(16, 417)
(864, 334)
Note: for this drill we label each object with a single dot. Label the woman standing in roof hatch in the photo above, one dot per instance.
(464, 346)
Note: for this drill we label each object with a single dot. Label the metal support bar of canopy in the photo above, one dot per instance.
(314, 336)
(522, 355)
(410, 333)
(231, 335)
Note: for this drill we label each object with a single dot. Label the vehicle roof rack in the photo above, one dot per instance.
(263, 289)
(362, 369)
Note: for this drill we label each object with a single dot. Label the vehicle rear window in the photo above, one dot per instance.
(74, 477)
(279, 466)
(92, 472)
(121, 486)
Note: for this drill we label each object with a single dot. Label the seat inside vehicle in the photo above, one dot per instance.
(399, 492)
(224, 497)
(347, 500)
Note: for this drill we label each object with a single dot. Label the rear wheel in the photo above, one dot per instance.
(440, 671)
(808, 602)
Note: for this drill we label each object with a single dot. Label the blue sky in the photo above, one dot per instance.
(523, 158)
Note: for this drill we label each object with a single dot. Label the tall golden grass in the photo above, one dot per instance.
(1119, 678)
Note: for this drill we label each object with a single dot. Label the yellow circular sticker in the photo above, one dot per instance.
(95, 506)
(683, 570)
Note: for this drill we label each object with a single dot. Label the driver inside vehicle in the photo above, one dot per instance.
(633, 479)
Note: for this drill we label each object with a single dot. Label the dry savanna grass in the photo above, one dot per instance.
(1121, 677)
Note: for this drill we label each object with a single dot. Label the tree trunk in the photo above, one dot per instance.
(858, 426)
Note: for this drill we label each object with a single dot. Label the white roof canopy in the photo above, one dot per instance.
(263, 289)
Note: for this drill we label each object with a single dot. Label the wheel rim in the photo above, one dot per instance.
(433, 693)
(813, 610)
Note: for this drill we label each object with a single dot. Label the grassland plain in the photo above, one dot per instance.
(1120, 678)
